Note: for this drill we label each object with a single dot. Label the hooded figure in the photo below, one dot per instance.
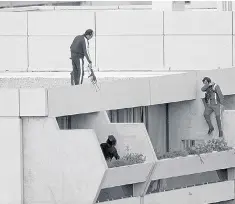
(108, 148)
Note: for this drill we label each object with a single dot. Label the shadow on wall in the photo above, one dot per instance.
(115, 193)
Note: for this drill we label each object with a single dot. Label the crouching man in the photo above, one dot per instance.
(213, 102)
(108, 148)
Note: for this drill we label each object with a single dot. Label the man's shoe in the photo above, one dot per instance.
(221, 134)
(210, 131)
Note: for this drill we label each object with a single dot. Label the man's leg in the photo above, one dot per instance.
(207, 114)
(82, 66)
(77, 71)
(217, 109)
(72, 78)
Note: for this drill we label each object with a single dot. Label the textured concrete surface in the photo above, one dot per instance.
(58, 79)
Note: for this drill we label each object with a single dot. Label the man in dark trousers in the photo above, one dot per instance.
(80, 48)
(108, 148)
(213, 101)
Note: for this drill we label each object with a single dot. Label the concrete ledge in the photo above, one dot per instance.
(223, 77)
(9, 103)
(124, 175)
(33, 102)
(210, 193)
(193, 164)
(112, 95)
(173, 88)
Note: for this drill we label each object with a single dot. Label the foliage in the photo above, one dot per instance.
(210, 146)
(128, 159)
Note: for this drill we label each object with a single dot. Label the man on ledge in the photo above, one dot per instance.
(80, 48)
(214, 99)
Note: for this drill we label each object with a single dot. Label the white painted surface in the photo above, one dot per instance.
(198, 52)
(9, 103)
(120, 176)
(11, 156)
(172, 88)
(129, 22)
(201, 22)
(13, 23)
(129, 53)
(33, 102)
(210, 193)
(192, 164)
(84, 98)
(53, 53)
(60, 22)
(57, 162)
(133, 200)
(229, 127)
(13, 51)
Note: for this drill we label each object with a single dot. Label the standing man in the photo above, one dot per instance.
(80, 48)
(214, 99)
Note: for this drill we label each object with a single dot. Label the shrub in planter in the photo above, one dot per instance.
(210, 146)
(128, 159)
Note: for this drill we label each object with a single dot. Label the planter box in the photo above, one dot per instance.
(123, 175)
(174, 167)
(132, 200)
(209, 193)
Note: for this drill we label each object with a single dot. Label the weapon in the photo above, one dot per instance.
(93, 78)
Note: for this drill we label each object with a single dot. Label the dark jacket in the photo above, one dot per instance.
(108, 148)
(79, 49)
(213, 94)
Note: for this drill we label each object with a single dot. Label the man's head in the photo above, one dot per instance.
(206, 80)
(89, 34)
(111, 140)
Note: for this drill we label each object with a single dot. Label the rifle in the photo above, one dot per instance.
(93, 78)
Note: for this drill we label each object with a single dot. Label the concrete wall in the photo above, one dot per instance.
(52, 163)
(125, 40)
(11, 174)
(186, 117)
(120, 94)
(131, 137)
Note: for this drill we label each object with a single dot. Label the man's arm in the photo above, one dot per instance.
(205, 87)
(220, 94)
(115, 154)
(86, 52)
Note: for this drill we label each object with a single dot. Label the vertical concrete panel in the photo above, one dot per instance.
(13, 52)
(33, 102)
(129, 22)
(60, 22)
(199, 22)
(11, 157)
(229, 127)
(58, 165)
(157, 127)
(129, 53)
(9, 103)
(198, 52)
(52, 53)
(13, 23)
